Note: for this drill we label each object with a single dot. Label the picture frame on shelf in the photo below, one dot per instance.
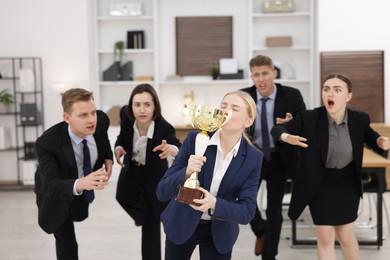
(135, 39)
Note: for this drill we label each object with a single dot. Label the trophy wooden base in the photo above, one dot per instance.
(187, 195)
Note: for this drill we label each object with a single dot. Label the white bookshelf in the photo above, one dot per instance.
(297, 62)
(250, 28)
(110, 29)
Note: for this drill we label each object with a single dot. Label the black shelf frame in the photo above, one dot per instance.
(20, 131)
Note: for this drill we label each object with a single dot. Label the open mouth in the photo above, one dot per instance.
(330, 103)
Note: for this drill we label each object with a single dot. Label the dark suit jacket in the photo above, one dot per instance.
(155, 167)
(57, 172)
(287, 100)
(313, 125)
(236, 198)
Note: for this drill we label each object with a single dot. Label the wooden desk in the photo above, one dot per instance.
(375, 164)
(182, 131)
(374, 160)
(384, 130)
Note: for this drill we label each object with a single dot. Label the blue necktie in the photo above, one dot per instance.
(89, 195)
(264, 129)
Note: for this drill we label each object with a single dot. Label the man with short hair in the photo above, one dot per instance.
(278, 104)
(75, 158)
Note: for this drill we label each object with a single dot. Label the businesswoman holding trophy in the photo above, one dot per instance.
(228, 171)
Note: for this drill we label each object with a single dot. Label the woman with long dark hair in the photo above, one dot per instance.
(147, 141)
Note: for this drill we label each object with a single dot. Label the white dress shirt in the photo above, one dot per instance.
(221, 165)
(140, 143)
(79, 155)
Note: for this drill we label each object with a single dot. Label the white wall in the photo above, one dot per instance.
(171, 95)
(170, 9)
(59, 32)
(350, 25)
(56, 30)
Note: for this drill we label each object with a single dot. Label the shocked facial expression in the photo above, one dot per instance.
(143, 107)
(240, 118)
(335, 95)
(82, 118)
(263, 77)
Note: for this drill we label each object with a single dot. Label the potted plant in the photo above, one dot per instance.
(215, 72)
(125, 70)
(5, 100)
(118, 50)
(114, 72)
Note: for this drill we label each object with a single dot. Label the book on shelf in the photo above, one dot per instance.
(135, 39)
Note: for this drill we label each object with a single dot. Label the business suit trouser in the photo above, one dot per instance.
(66, 244)
(130, 195)
(202, 237)
(137, 202)
(275, 175)
(151, 232)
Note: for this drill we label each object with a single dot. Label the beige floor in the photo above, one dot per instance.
(110, 234)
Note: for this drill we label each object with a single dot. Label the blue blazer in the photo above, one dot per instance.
(236, 197)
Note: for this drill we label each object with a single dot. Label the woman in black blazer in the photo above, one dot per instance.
(329, 167)
(147, 142)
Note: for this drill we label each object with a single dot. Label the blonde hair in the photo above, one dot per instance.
(250, 107)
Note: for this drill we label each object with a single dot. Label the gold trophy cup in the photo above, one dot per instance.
(206, 119)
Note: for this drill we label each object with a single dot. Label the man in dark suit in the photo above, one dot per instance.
(281, 104)
(75, 158)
